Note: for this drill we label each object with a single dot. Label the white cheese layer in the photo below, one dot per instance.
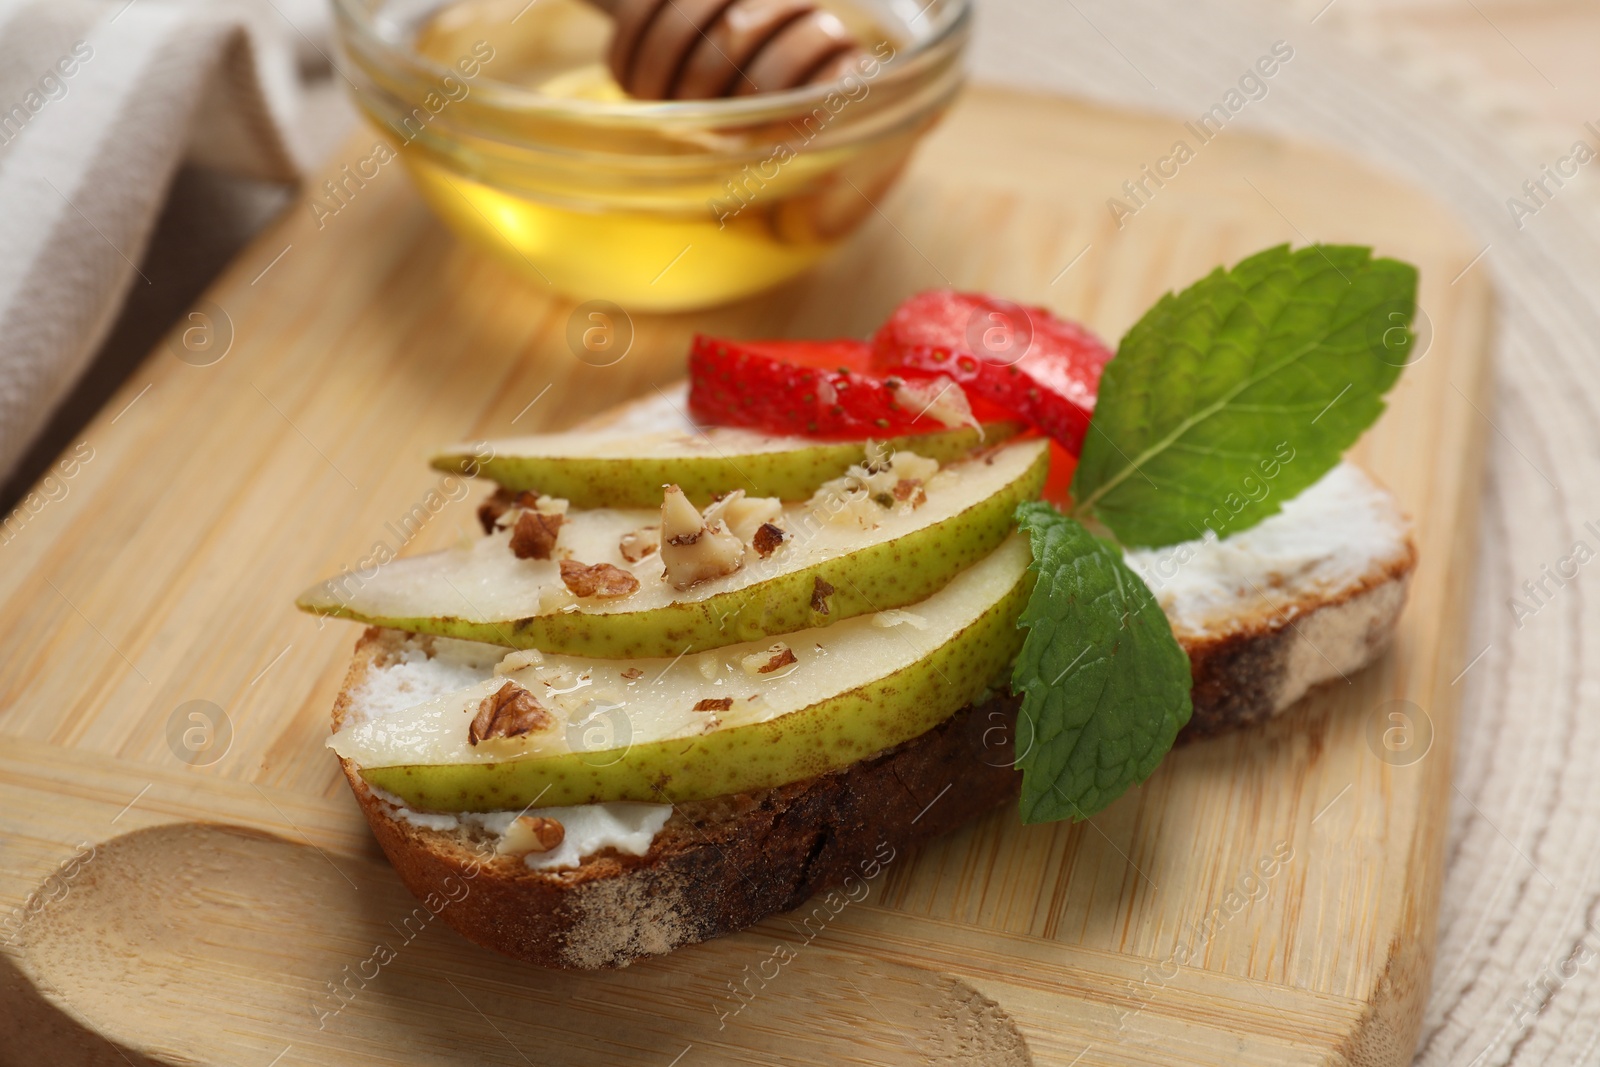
(627, 827)
(1338, 530)
(415, 677)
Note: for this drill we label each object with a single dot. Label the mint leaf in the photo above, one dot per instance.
(1104, 684)
(1227, 399)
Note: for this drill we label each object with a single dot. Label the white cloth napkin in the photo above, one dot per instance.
(99, 104)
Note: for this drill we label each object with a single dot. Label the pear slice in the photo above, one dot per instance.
(652, 443)
(689, 728)
(828, 568)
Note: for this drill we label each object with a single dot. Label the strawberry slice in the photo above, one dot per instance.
(814, 388)
(1040, 368)
(1057, 487)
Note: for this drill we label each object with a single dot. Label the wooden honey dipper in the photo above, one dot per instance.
(701, 49)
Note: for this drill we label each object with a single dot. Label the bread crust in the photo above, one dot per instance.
(723, 864)
(1262, 667)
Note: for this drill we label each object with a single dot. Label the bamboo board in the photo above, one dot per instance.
(170, 907)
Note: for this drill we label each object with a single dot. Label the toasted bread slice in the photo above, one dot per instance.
(715, 867)
(1307, 596)
(1310, 595)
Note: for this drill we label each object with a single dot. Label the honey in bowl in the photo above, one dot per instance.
(507, 116)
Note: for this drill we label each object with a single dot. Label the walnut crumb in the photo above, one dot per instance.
(633, 674)
(531, 833)
(494, 508)
(600, 579)
(778, 661)
(637, 544)
(714, 704)
(775, 658)
(767, 539)
(535, 534)
(510, 711)
(820, 592)
(910, 489)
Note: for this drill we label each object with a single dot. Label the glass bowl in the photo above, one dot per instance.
(518, 138)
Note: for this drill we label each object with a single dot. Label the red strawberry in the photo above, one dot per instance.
(1036, 366)
(815, 388)
(1063, 465)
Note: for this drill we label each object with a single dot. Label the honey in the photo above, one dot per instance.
(520, 140)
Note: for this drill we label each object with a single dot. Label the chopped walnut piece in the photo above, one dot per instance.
(600, 579)
(742, 515)
(714, 704)
(637, 544)
(775, 658)
(767, 539)
(910, 489)
(820, 592)
(534, 535)
(681, 523)
(531, 833)
(693, 549)
(510, 711)
(494, 507)
(779, 660)
(633, 674)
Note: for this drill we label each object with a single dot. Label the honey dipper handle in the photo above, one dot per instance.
(703, 49)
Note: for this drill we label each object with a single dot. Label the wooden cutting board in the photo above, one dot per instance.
(186, 880)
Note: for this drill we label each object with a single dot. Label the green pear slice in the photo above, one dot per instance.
(629, 730)
(625, 464)
(482, 592)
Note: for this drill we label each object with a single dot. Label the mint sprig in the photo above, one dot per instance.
(1104, 684)
(1287, 354)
